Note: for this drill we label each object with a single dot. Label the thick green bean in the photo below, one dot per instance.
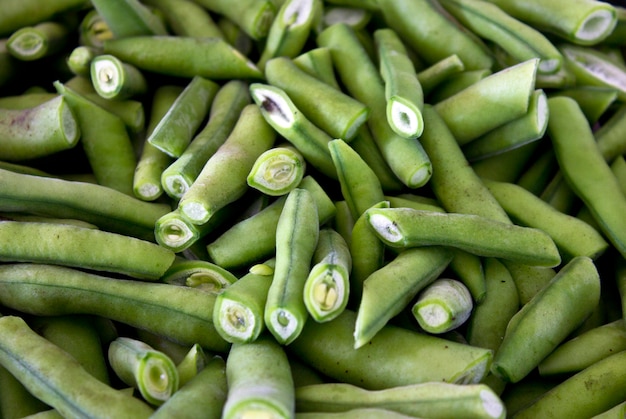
(15, 400)
(115, 79)
(200, 274)
(128, 18)
(277, 171)
(442, 306)
(254, 17)
(187, 18)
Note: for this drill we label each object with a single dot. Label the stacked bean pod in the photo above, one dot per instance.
(308, 208)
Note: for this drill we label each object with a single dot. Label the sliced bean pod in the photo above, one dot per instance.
(443, 305)
(277, 171)
(115, 79)
(129, 18)
(199, 274)
(194, 361)
(437, 73)
(35, 42)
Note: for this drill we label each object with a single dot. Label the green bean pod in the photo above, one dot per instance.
(443, 305)
(223, 177)
(259, 381)
(187, 18)
(592, 181)
(594, 101)
(318, 63)
(38, 131)
(394, 357)
(610, 137)
(277, 171)
(239, 310)
(193, 362)
(15, 400)
(437, 73)
(56, 378)
(406, 227)
(297, 235)
(547, 319)
(129, 18)
(139, 365)
(327, 287)
(388, 290)
(44, 39)
(200, 274)
(115, 79)
(18, 14)
(455, 83)
(183, 56)
(183, 314)
(79, 60)
(254, 17)
(430, 399)
(341, 115)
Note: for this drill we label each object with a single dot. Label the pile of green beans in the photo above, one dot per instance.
(313, 209)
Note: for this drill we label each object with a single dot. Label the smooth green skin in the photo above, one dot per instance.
(516, 133)
(224, 112)
(332, 262)
(223, 178)
(15, 400)
(254, 17)
(183, 56)
(277, 171)
(438, 72)
(340, 117)
(79, 60)
(176, 129)
(259, 380)
(246, 300)
(455, 184)
(187, 18)
(105, 207)
(590, 392)
(203, 396)
(359, 184)
(436, 36)
(487, 324)
(451, 297)
(106, 141)
(193, 362)
(594, 101)
(38, 131)
(140, 366)
(561, 18)
(585, 349)
(317, 62)
(129, 18)
(57, 379)
(455, 83)
(153, 161)
(407, 228)
(529, 280)
(287, 120)
(520, 40)
(297, 234)
(235, 35)
(616, 412)
(131, 82)
(394, 357)
(78, 335)
(290, 30)
(17, 14)
(495, 100)
(610, 136)
(547, 319)
(361, 78)
(572, 236)
(253, 239)
(428, 400)
(559, 194)
(400, 79)
(536, 176)
(388, 290)
(585, 169)
(31, 43)
(59, 244)
(342, 222)
(183, 314)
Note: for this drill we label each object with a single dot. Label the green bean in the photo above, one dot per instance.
(224, 111)
(318, 63)
(254, 239)
(277, 171)
(529, 280)
(455, 83)
(590, 392)
(79, 60)
(513, 86)
(442, 305)
(38, 131)
(327, 287)
(115, 79)
(609, 136)
(357, 17)
(449, 39)
(203, 396)
(57, 379)
(431, 399)
(15, 400)
(289, 30)
(200, 274)
(593, 182)
(176, 129)
(429, 78)
(394, 357)
(297, 235)
(581, 22)
(287, 120)
(259, 381)
(617, 411)
(8, 64)
(594, 101)
(223, 177)
(388, 290)
(193, 362)
(93, 30)
(407, 159)
(129, 18)
(183, 314)
(254, 17)
(107, 208)
(405, 228)
(546, 320)
(183, 56)
(238, 311)
(17, 14)
(403, 90)
(340, 117)
(187, 18)
(44, 39)
(105, 140)
(140, 366)
(235, 35)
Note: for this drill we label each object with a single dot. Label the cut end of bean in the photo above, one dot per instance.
(405, 118)
(277, 171)
(196, 212)
(71, 131)
(549, 66)
(173, 233)
(208, 281)
(325, 292)
(148, 191)
(420, 176)
(27, 44)
(175, 185)
(492, 404)
(158, 378)
(106, 76)
(596, 26)
(274, 105)
(284, 325)
(297, 13)
(237, 323)
(386, 228)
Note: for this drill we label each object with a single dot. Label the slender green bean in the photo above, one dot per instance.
(594, 101)
(129, 18)
(318, 63)
(442, 306)
(254, 17)
(200, 274)
(15, 400)
(31, 43)
(187, 18)
(277, 171)
(429, 78)
(79, 60)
